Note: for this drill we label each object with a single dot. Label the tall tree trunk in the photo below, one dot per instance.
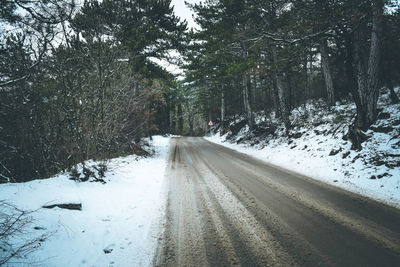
(210, 115)
(327, 72)
(253, 89)
(289, 90)
(191, 128)
(275, 98)
(311, 77)
(393, 96)
(351, 79)
(246, 101)
(135, 88)
(148, 123)
(367, 71)
(222, 131)
(166, 122)
(180, 119)
(246, 89)
(282, 94)
(172, 119)
(305, 73)
(367, 74)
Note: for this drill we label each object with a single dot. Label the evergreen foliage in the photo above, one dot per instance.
(274, 55)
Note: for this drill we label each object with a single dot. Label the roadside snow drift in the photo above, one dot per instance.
(316, 147)
(119, 221)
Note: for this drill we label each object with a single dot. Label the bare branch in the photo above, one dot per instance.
(14, 242)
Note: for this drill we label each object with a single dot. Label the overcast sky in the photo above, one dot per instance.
(184, 12)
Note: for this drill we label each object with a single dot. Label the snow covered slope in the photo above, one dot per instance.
(118, 223)
(316, 147)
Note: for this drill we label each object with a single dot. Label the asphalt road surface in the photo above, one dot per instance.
(225, 208)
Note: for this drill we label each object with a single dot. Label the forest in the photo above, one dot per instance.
(80, 81)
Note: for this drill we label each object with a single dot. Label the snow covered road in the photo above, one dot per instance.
(226, 208)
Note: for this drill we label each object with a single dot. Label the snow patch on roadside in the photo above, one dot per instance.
(323, 169)
(118, 224)
(316, 148)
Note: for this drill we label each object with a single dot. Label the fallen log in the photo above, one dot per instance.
(68, 206)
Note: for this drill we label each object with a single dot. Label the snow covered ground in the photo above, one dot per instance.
(316, 148)
(119, 221)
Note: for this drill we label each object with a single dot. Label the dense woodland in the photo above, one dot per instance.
(80, 82)
(273, 55)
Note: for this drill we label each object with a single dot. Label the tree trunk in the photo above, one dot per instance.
(135, 88)
(327, 72)
(166, 125)
(282, 94)
(172, 119)
(191, 130)
(222, 131)
(246, 102)
(180, 119)
(393, 96)
(253, 89)
(275, 99)
(310, 77)
(289, 90)
(148, 126)
(246, 90)
(367, 75)
(349, 63)
(366, 95)
(305, 73)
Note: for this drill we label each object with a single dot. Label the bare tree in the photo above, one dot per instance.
(14, 240)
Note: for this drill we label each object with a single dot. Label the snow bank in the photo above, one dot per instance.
(320, 167)
(120, 217)
(317, 149)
